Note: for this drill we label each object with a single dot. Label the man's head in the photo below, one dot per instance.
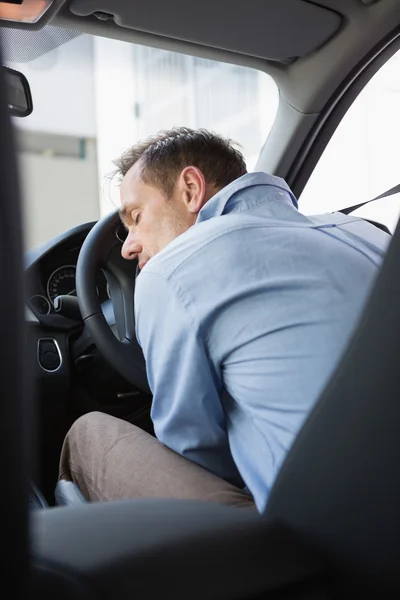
(166, 180)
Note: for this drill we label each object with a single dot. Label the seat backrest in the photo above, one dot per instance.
(339, 483)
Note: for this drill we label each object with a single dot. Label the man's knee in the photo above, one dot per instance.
(79, 439)
(87, 424)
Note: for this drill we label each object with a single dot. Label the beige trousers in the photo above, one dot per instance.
(111, 459)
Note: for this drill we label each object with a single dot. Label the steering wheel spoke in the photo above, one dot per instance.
(102, 250)
(120, 276)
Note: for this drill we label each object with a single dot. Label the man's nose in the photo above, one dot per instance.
(130, 249)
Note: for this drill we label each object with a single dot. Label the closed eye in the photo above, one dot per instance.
(136, 219)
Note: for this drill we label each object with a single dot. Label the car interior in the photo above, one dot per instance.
(331, 525)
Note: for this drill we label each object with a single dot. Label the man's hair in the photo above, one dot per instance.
(164, 155)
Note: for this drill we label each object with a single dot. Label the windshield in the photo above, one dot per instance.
(93, 97)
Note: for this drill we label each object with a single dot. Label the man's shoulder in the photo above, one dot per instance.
(197, 245)
(221, 242)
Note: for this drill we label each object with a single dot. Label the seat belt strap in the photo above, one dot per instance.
(391, 192)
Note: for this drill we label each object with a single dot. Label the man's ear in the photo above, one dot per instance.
(194, 189)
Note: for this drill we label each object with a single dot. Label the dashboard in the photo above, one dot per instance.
(50, 271)
(56, 277)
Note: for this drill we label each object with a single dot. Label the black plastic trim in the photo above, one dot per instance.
(28, 94)
(57, 347)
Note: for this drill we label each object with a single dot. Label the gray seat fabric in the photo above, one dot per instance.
(154, 548)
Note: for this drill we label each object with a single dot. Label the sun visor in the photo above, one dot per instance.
(279, 30)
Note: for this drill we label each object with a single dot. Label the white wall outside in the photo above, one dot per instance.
(62, 202)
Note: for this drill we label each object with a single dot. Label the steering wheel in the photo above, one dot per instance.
(102, 250)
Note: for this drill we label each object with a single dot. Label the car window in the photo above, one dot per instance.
(361, 161)
(93, 97)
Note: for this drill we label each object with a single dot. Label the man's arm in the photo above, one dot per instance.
(187, 413)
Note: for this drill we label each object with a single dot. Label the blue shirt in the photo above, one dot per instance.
(242, 320)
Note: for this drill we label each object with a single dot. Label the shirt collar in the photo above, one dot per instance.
(218, 204)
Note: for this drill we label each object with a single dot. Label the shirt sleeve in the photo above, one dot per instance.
(187, 413)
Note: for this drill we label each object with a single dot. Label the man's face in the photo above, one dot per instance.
(153, 220)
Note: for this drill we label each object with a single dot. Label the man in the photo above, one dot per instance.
(243, 307)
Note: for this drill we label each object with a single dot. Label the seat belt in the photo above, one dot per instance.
(350, 209)
(391, 192)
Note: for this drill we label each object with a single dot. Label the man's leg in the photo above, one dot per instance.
(110, 459)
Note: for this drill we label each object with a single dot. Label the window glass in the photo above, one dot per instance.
(361, 161)
(94, 97)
